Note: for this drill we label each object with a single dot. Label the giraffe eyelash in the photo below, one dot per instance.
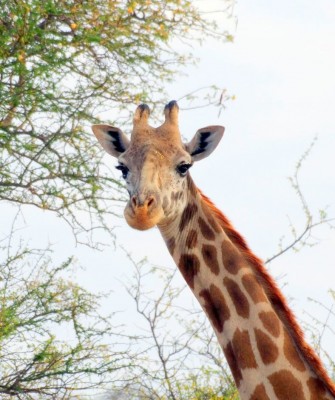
(183, 168)
(123, 169)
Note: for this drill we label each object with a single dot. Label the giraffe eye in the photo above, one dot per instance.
(183, 168)
(123, 169)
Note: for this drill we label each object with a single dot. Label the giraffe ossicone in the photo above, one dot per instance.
(263, 344)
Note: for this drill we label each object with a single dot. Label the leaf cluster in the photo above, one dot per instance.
(54, 343)
(61, 64)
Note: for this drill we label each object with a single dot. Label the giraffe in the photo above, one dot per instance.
(258, 333)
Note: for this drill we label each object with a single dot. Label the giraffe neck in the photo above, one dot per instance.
(261, 340)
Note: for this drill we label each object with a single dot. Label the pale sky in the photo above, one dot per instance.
(281, 68)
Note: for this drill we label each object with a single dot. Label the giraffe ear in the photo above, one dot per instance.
(204, 142)
(112, 139)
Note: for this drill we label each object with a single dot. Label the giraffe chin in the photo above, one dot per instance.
(140, 218)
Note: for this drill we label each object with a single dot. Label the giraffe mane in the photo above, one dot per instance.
(274, 295)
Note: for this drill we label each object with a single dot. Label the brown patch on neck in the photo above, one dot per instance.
(260, 393)
(316, 389)
(292, 354)
(268, 350)
(243, 350)
(205, 229)
(271, 293)
(253, 288)
(231, 258)
(286, 386)
(215, 306)
(210, 257)
(270, 322)
(192, 239)
(189, 266)
(233, 365)
(187, 215)
(238, 298)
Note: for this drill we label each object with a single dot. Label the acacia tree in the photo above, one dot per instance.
(61, 64)
(54, 342)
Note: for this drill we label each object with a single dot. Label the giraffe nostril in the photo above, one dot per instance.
(134, 201)
(151, 202)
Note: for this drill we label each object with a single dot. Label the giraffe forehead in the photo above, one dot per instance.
(153, 152)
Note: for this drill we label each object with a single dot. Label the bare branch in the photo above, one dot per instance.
(302, 239)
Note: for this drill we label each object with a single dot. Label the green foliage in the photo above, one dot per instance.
(61, 64)
(38, 303)
(208, 384)
(55, 344)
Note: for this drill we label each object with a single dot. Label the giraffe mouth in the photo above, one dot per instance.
(143, 218)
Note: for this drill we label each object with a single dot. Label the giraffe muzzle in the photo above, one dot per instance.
(143, 212)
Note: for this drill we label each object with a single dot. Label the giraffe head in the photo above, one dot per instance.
(155, 163)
